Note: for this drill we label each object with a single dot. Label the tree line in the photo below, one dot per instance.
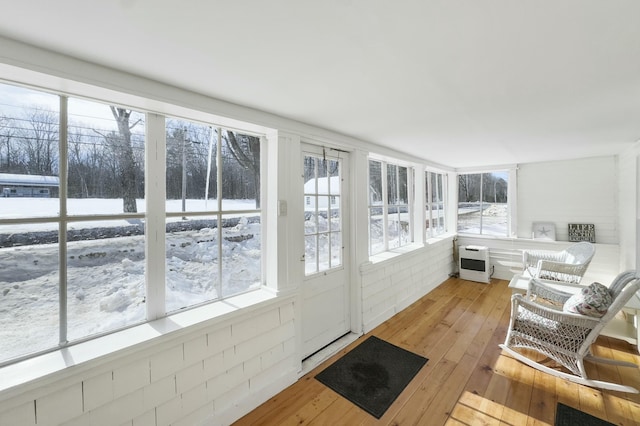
(485, 187)
(110, 163)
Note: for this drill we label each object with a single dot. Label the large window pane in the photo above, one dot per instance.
(29, 152)
(241, 253)
(483, 203)
(210, 257)
(389, 224)
(494, 199)
(105, 276)
(193, 262)
(435, 206)
(375, 183)
(240, 171)
(29, 292)
(191, 170)
(376, 230)
(105, 158)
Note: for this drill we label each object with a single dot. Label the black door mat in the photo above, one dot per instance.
(373, 374)
(569, 416)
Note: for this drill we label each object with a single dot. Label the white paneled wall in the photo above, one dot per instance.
(391, 285)
(212, 375)
(505, 256)
(629, 184)
(575, 191)
(562, 192)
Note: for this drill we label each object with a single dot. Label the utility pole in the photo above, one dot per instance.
(184, 171)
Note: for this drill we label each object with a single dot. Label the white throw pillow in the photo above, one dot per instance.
(592, 301)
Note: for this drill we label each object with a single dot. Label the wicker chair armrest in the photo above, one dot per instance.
(558, 271)
(552, 265)
(538, 289)
(522, 306)
(532, 257)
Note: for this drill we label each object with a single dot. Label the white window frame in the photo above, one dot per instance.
(155, 217)
(384, 162)
(432, 231)
(511, 171)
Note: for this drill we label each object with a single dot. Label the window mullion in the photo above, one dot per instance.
(219, 213)
(429, 210)
(155, 194)
(62, 226)
(385, 205)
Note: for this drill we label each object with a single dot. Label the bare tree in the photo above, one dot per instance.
(8, 149)
(124, 165)
(41, 142)
(246, 151)
(126, 159)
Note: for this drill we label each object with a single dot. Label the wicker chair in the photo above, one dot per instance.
(539, 323)
(568, 265)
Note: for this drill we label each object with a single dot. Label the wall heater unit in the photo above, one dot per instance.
(474, 263)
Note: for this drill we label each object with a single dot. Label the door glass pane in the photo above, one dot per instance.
(324, 261)
(322, 185)
(310, 251)
(334, 213)
(323, 215)
(336, 249)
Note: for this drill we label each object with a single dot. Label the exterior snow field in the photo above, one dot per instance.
(106, 276)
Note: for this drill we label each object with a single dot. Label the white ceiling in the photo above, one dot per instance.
(461, 83)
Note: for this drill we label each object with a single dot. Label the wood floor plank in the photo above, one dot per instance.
(470, 415)
(411, 411)
(543, 400)
(468, 380)
(442, 405)
(518, 400)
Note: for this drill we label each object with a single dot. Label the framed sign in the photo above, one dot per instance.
(544, 231)
(582, 232)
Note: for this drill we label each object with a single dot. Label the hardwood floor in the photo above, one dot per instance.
(467, 381)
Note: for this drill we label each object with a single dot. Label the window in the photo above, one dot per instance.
(73, 173)
(389, 213)
(213, 243)
(435, 210)
(483, 203)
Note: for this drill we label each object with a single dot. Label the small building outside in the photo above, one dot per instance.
(17, 185)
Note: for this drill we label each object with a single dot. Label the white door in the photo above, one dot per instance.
(325, 288)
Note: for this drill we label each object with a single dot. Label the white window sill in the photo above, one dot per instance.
(393, 253)
(14, 377)
(409, 248)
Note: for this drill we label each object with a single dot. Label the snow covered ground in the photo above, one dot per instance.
(106, 276)
(494, 220)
